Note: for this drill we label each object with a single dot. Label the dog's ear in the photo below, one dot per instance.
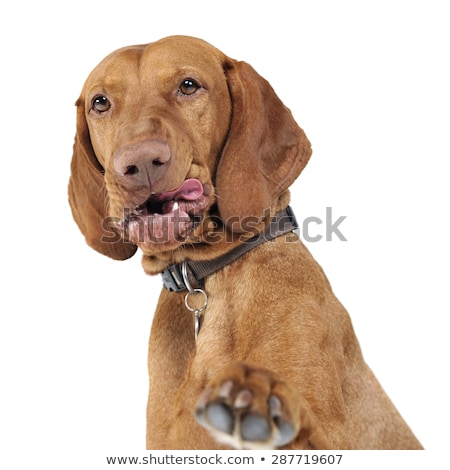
(88, 197)
(265, 150)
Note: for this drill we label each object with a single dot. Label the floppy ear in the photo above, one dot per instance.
(88, 197)
(265, 150)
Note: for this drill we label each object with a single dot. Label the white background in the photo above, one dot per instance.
(369, 83)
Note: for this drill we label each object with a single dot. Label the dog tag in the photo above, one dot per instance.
(197, 310)
(197, 323)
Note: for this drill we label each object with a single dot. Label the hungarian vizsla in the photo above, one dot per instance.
(188, 155)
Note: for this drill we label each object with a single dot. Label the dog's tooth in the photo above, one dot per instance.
(175, 206)
(119, 224)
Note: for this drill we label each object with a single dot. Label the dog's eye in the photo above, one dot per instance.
(101, 104)
(188, 86)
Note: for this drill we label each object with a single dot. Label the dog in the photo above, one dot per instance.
(188, 155)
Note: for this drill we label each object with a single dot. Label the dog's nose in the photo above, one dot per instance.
(140, 164)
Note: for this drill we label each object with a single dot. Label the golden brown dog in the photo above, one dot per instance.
(188, 155)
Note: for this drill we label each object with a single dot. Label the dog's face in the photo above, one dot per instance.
(158, 116)
(176, 141)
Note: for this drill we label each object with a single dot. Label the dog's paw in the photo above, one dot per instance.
(248, 408)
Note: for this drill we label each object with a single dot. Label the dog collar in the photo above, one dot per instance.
(191, 274)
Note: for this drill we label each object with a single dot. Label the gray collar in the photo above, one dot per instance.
(191, 274)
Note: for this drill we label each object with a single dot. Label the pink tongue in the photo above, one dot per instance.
(189, 191)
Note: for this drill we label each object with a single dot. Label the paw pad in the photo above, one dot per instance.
(233, 419)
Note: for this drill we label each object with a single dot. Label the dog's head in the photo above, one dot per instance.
(176, 143)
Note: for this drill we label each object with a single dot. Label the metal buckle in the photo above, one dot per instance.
(173, 279)
(178, 278)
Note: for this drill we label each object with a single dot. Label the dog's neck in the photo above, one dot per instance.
(190, 275)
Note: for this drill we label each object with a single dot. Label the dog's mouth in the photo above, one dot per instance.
(168, 216)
